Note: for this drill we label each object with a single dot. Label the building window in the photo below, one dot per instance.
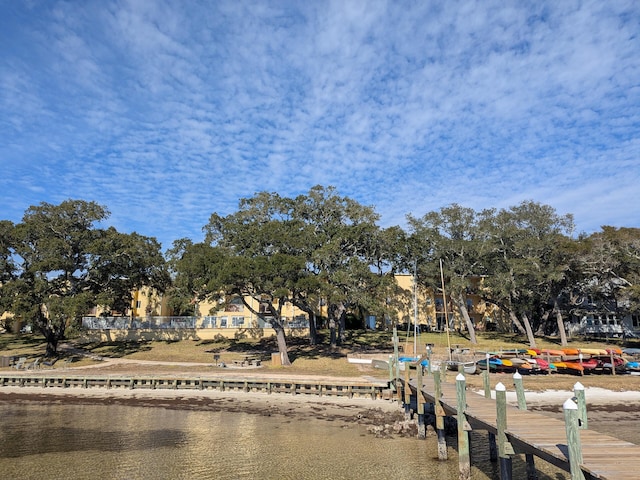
(209, 322)
(223, 322)
(237, 322)
(138, 303)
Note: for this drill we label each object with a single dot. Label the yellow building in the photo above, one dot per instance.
(429, 307)
(150, 314)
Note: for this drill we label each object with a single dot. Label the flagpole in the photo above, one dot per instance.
(415, 308)
(444, 302)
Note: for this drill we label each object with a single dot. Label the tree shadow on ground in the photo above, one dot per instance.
(356, 341)
(117, 349)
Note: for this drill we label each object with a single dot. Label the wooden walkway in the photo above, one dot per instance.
(45, 379)
(604, 457)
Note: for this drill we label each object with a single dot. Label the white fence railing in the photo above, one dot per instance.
(153, 323)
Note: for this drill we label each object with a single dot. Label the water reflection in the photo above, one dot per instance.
(121, 442)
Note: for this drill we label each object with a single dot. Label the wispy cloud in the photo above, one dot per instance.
(168, 112)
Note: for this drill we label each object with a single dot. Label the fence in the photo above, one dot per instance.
(156, 323)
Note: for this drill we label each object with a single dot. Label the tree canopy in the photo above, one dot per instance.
(320, 248)
(58, 265)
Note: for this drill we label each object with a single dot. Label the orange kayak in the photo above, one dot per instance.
(553, 353)
(570, 351)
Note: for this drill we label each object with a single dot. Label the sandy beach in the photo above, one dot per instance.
(602, 403)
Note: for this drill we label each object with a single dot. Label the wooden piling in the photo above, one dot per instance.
(532, 474)
(464, 458)
(486, 380)
(440, 414)
(422, 429)
(573, 439)
(504, 447)
(578, 392)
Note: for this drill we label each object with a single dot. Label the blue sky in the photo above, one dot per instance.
(166, 112)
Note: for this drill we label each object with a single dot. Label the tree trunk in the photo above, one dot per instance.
(342, 327)
(313, 332)
(561, 330)
(530, 336)
(337, 315)
(460, 303)
(514, 319)
(282, 345)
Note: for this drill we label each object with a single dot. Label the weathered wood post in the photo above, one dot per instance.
(391, 370)
(522, 405)
(578, 392)
(439, 411)
(395, 355)
(464, 458)
(486, 380)
(580, 358)
(613, 365)
(408, 414)
(505, 450)
(422, 429)
(573, 439)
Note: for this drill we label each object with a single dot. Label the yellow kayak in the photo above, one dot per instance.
(593, 351)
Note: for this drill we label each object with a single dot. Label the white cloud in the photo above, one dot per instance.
(168, 112)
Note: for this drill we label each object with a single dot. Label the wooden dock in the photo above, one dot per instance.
(348, 388)
(603, 457)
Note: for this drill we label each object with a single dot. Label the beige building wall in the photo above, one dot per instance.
(431, 306)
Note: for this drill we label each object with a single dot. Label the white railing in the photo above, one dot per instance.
(153, 323)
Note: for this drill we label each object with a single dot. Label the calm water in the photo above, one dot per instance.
(123, 442)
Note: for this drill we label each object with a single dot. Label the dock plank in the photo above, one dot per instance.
(604, 457)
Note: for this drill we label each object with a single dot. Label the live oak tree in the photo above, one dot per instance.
(347, 254)
(610, 261)
(63, 265)
(522, 261)
(452, 235)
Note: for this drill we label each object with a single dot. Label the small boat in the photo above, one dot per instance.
(568, 367)
(593, 351)
(539, 364)
(494, 363)
(467, 367)
(570, 351)
(552, 352)
(590, 364)
(631, 351)
(632, 366)
(382, 364)
(522, 365)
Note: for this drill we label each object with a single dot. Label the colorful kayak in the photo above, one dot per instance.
(593, 351)
(553, 353)
(570, 351)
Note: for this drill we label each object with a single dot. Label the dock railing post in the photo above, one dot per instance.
(439, 411)
(578, 392)
(443, 371)
(395, 354)
(522, 405)
(422, 429)
(407, 391)
(573, 439)
(464, 458)
(504, 447)
(486, 380)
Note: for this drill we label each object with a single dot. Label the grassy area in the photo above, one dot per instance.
(320, 359)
